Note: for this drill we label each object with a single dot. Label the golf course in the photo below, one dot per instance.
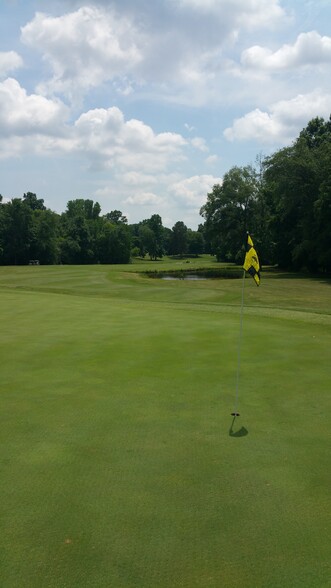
(121, 465)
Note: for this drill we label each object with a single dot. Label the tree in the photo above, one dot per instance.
(44, 242)
(77, 244)
(166, 240)
(230, 211)
(83, 208)
(292, 186)
(2, 218)
(28, 230)
(179, 240)
(322, 211)
(155, 223)
(263, 219)
(195, 242)
(152, 236)
(33, 202)
(116, 216)
(147, 241)
(16, 232)
(114, 243)
(316, 133)
(317, 223)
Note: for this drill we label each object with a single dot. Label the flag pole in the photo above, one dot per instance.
(235, 412)
(252, 266)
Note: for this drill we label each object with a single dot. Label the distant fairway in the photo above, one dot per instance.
(117, 466)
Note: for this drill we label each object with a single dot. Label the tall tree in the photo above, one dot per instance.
(114, 243)
(77, 244)
(179, 240)
(147, 241)
(116, 216)
(297, 180)
(195, 242)
(33, 202)
(44, 241)
(2, 225)
(17, 232)
(230, 211)
(152, 240)
(322, 211)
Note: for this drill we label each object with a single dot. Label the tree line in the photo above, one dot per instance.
(81, 235)
(284, 201)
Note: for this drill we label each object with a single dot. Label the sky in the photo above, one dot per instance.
(144, 105)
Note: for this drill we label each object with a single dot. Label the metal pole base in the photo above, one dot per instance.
(235, 414)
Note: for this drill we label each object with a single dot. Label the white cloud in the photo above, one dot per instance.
(247, 13)
(109, 197)
(255, 125)
(106, 138)
(309, 49)
(212, 159)
(200, 144)
(134, 178)
(101, 136)
(144, 199)
(169, 195)
(9, 61)
(108, 141)
(192, 191)
(283, 122)
(84, 48)
(176, 45)
(22, 114)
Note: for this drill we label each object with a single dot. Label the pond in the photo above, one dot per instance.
(184, 277)
(197, 275)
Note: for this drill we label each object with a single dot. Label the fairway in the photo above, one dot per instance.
(120, 467)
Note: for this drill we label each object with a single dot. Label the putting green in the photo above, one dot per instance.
(121, 465)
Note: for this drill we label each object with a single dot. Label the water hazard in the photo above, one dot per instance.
(198, 275)
(184, 277)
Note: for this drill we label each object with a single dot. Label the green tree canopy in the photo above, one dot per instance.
(116, 216)
(151, 236)
(297, 181)
(230, 211)
(33, 202)
(179, 239)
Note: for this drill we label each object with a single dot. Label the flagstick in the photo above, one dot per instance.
(235, 413)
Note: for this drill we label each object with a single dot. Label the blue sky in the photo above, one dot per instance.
(144, 105)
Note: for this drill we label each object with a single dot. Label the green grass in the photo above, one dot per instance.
(117, 466)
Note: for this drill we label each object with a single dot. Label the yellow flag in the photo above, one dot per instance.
(251, 263)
